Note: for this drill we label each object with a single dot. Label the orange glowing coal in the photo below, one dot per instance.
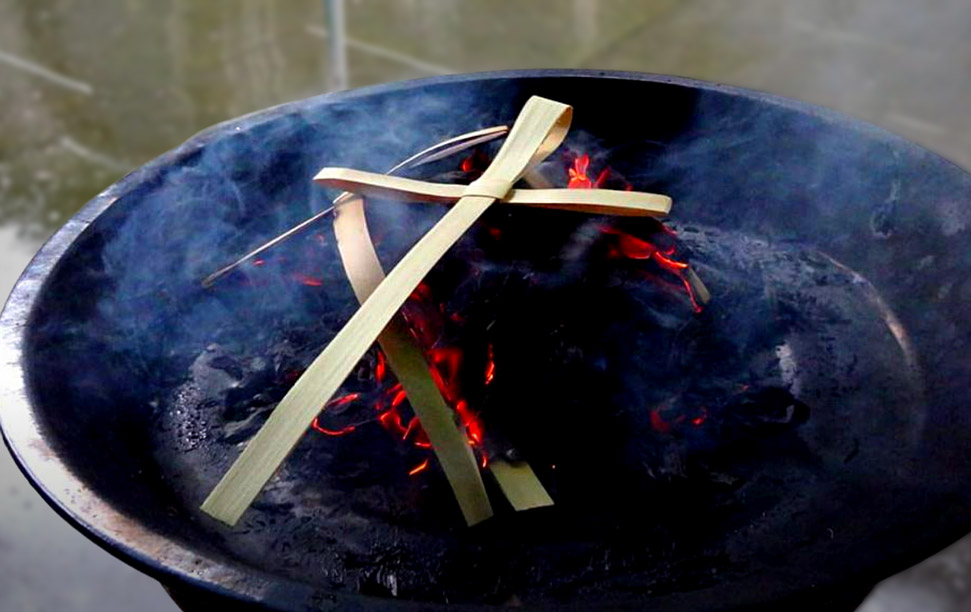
(421, 467)
(578, 174)
(490, 372)
(627, 245)
(389, 400)
(633, 247)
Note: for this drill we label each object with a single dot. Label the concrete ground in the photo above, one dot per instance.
(90, 90)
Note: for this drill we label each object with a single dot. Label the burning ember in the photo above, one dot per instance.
(662, 422)
(578, 174)
(633, 247)
(630, 246)
(387, 398)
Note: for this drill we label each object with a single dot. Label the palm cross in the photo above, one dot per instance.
(538, 131)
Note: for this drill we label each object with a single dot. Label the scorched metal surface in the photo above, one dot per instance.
(828, 370)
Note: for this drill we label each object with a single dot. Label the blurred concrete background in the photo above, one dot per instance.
(91, 90)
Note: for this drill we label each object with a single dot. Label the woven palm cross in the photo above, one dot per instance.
(538, 131)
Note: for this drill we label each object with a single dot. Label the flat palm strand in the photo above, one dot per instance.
(520, 485)
(538, 131)
(364, 271)
(595, 201)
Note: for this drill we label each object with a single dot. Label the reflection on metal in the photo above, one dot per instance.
(35, 69)
(385, 53)
(334, 10)
(899, 333)
(896, 328)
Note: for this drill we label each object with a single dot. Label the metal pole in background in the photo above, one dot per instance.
(336, 26)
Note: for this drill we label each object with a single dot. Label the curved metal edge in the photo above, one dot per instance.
(121, 535)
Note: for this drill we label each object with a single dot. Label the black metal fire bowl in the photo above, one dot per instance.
(837, 256)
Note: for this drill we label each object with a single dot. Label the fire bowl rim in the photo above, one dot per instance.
(123, 536)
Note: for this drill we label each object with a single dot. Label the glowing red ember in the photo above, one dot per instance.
(421, 467)
(445, 365)
(658, 423)
(381, 368)
(578, 174)
(627, 245)
(490, 372)
(331, 432)
(309, 281)
(699, 420)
